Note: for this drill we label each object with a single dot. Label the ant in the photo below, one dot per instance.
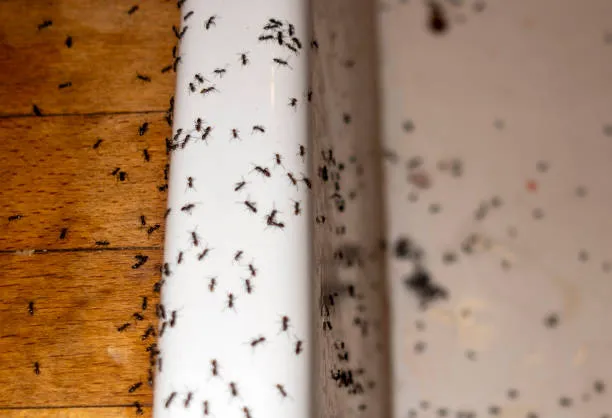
(150, 378)
(292, 48)
(302, 151)
(142, 129)
(284, 323)
(212, 284)
(173, 319)
(296, 208)
(170, 399)
(160, 311)
(144, 78)
(291, 29)
(138, 406)
(256, 341)
(143, 220)
(153, 228)
(188, 15)
(292, 179)
(124, 327)
(253, 270)
(293, 102)
(203, 253)
(220, 71)
(37, 368)
(97, 143)
(239, 185)
(264, 38)
(297, 42)
(166, 69)
(140, 260)
(149, 331)
(282, 390)
(206, 133)
(190, 182)
(188, 399)
(251, 206)
(271, 217)
(244, 59)
(278, 159)
(198, 124)
(306, 180)
(280, 225)
(262, 170)
(31, 308)
(233, 389)
(145, 154)
(205, 404)
(179, 259)
(45, 24)
(199, 78)
(210, 22)
(63, 233)
(36, 110)
(259, 128)
(207, 90)
(159, 364)
(101, 243)
(238, 255)
(167, 213)
(187, 208)
(281, 62)
(137, 316)
(134, 387)
(246, 411)
(230, 300)
(279, 38)
(144, 303)
(214, 367)
(194, 238)
(235, 134)
(298, 347)
(248, 286)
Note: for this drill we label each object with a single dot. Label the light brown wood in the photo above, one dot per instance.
(80, 298)
(109, 49)
(111, 412)
(54, 178)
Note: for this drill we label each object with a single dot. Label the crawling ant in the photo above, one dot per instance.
(188, 207)
(292, 49)
(166, 69)
(138, 406)
(251, 206)
(144, 78)
(280, 225)
(122, 176)
(205, 405)
(210, 22)
(293, 102)
(124, 327)
(264, 38)
(142, 129)
(153, 228)
(291, 29)
(14, 218)
(248, 286)
(140, 260)
(102, 243)
(207, 90)
(306, 180)
(188, 15)
(170, 399)
(270, 218)
(256, 341)
(244, 59)
(166, 214)
(63, 233)
(297, 42)
(37, 368)
(198, 124)
(173, 319)
(68, 42)
(97, 144)
(220, 71)
(194, 238)
(190, 182)
(160, 311)
(309, 95)
(132, 9)
(179, 259)
(296, 208)
(284, 323)
(45, 24)
(263, 170)
(36, 110)
(162, 329)
(145, 154)
(203, 254)
(230, 300)
(176, 62)
(259, 128)
(144, 303)
(281, 62)
(134, 387)
(192, 87)
(302, 151)
(180, 3)
(214, 367)
(199, 78)
(143, 220)
(148, 332)
(292, 179)
(247, 413)
(253, 270)
(282, 390)
(278, 159)
(206, 133)
(212, 284)
(150, 378)
(188, 399)
(239, 185)
(158, 285)
(314, 44)
(159, 363)
(137, 316)
(235, 134)
(279, 38)
(233, 389)
(31, 308)
(298, 347)
(238, 255)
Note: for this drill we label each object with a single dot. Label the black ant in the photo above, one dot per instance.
(138, 406)
(293, 102)
(251, 206)
(296, 208)
(284, 323)
(248, 286)
(63, 233)
(176, 32)
(134, 387)
(281, 62)
(278, 159)
(36, 368)
(137, 316)
(302, 151)
(203, 254)
(280, 225)
(264, 38)
(259, 128)
(140, 261)
(36, 110)
(212, 284)
(176, 62)
(160, 311)
(206, 133)
(235, 134)
(179, 259)
(292, 179)
(282, 390)
(188, 15)
(142, 129)
(188, 399)
(143, 220)
(173, 319)
(247, 413)
(292, 49)
(239, 185)
(244, 59)
(102, 243)
(297, 42)
(214, 367)
(159, 363)
(256, 341)
(148, 332)
(144, 78)
(122, 175)
(271, 217)
(167, 213)
(97, 143)
(306, 180)
(314, 44)
(233, 389)
(190, 182)
(220, 71)
(205, 404)
(210, 22)
(166, 69)
(231, 299)
(31, 308)
(238, 255)
(263, 170)
(291, 29)
(279, 38)
(298, 347)
(207, 90)
(68, 42)
(253, 270)
(153, 229)
(124, 327)
(162, 329)
(194, 238)
(198, 124)
(145, 154)
(150, 378)
(170, 399)
(145, 303)
(45, 24)
(199, 78)
(188, 207)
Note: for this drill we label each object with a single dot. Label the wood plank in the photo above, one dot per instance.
(106, 412)
(80, 298)
(55, 179)
(110, 47)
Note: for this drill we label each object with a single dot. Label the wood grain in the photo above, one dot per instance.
(110, 47)
(55, 179)
(80, 298)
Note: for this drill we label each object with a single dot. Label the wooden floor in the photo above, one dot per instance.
(69, 229)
